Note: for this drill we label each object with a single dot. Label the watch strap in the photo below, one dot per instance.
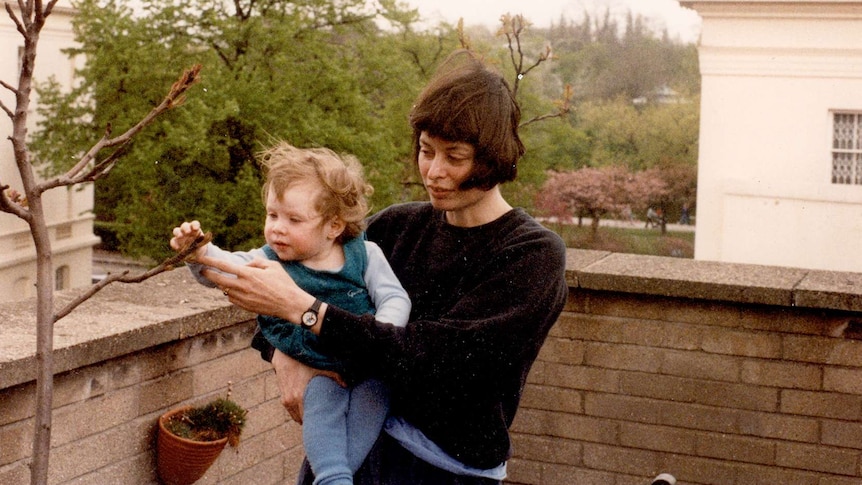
(315, 307)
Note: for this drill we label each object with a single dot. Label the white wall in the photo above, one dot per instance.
(68, 212)
(772, 72)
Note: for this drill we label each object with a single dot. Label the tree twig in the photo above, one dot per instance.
(12, 206)
(8, 86)
(124, 277)
(565, 107)
(174, 98)
(18, 25)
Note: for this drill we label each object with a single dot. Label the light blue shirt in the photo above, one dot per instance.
(415, 441)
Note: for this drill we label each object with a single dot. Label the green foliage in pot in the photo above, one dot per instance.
(221, 418)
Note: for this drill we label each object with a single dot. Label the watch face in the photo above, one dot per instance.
(309, 318)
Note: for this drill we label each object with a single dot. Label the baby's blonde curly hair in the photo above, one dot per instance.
(344, 192)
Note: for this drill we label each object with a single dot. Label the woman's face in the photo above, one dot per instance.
(294, 229)
(444, 166)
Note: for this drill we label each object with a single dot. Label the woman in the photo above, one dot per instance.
(486, 281)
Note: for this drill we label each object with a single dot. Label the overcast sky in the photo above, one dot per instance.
(661, 13)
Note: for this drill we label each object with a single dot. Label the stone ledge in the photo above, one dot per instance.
(125, 318)
(120, 319)
(715, 281)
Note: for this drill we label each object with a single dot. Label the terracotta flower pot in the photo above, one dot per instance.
(182, 461)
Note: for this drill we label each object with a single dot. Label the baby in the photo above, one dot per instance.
(315, 208)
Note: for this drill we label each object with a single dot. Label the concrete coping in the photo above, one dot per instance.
(118, 320)
(125, 318)
(715, 281)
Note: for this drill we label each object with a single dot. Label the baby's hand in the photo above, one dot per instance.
(185, 234)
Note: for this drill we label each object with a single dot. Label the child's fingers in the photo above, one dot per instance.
(184, 234)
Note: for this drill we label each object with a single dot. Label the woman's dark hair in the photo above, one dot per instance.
(468, 102)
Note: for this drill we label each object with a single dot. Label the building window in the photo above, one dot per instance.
(847, 148)
(61, 278)
(64, 231)
(22, 241)
(23, 288)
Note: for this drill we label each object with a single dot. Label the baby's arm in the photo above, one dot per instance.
(188, 231)
(389, 297)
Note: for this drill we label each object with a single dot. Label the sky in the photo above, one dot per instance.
(679, 21)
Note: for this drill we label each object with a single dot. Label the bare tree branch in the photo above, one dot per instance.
(29, 21)
(50, 7)
(8, 86)
(535, 119)
(174, 98)
(18, 25)
(10, 203)
(8, 111)
(542, 58)
(564, 107)
(512, 28)
(167, 265)
(104, 167)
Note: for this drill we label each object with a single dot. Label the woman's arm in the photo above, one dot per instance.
(458, 368)
(261, 286)
(497, 319)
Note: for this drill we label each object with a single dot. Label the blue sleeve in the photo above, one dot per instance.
(235, 257)
(390, 298)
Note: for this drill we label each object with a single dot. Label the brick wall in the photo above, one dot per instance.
(716, 373)
(729, 390)
(124, 358)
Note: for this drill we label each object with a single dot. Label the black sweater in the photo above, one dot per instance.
(484, 299)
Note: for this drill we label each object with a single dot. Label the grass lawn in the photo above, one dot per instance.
(627, 240)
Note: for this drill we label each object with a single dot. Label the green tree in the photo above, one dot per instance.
(640, 137)
(324, 72)
(604, 60)
(321, 73)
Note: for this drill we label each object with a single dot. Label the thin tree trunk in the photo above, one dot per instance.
(32, 21)
(594, 227)
(29, 20)
(44, 345)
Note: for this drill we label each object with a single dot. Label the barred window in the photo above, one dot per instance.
(847, 148)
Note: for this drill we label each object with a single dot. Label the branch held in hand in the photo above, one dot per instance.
(185, 254)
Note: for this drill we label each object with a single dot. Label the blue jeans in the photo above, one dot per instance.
(340, 425)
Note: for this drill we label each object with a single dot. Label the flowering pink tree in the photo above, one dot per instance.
(649, 188)
(599, 193)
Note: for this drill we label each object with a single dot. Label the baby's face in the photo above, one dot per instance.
(294, 229)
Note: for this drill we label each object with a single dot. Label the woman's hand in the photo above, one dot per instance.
(261, 286)
(293, 377)
(185, 234)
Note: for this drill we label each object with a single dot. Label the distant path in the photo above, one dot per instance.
(635, 224)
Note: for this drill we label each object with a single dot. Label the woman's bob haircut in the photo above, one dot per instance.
(468, 102)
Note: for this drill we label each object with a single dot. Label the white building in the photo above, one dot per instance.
(780, 169)
(68, 211)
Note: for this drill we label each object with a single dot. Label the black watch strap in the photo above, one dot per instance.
(311, 316)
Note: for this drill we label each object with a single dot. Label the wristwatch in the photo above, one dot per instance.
(309, 318)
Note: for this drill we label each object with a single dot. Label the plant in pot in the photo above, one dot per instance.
(190, 438)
